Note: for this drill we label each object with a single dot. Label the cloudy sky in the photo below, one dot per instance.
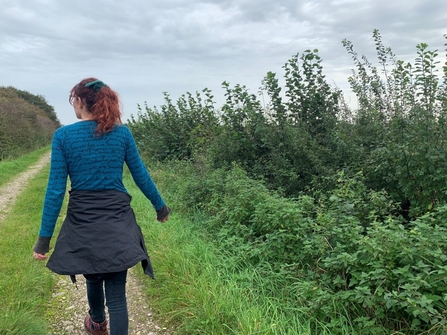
(142, 48)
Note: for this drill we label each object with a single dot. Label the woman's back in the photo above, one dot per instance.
(93, 162)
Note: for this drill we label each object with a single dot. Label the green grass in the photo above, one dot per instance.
(25, 284)
(11, 168)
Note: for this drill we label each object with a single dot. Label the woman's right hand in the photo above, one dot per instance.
(164, 219)
(40, 257)
(163, 214)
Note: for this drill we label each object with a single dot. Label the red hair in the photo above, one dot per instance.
(103, 104)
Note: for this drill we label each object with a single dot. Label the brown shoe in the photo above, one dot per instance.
(94, 328)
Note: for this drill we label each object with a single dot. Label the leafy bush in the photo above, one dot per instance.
(359, 233)
(398, 136)
(347, 243)
(291, 139)
(176, 131)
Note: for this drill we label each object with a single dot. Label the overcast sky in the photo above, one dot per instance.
(142, 48)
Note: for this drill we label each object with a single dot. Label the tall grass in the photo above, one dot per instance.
(25, 284)
(11, 168)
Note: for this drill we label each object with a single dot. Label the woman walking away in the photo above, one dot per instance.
(100, 237)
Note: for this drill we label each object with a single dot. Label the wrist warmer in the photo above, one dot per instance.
(42, 245)
(163, 212)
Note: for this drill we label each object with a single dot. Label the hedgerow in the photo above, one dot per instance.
(348, 204)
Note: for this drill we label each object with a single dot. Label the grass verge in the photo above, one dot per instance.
(25, 284)
(11, 168)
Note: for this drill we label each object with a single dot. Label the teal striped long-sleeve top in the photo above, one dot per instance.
(92, 163)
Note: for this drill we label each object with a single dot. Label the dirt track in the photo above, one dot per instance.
(10, 191)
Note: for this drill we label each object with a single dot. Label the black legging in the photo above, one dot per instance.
(114, 286)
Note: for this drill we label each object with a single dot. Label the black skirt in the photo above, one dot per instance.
(99, 235)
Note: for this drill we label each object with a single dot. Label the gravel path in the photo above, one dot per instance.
(10, 191)
(68, 306)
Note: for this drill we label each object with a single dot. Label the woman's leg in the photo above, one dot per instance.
(115, 287)
(95, 296)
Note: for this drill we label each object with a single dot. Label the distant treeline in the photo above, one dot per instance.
(27, 122)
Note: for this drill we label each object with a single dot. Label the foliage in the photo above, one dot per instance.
(203, 289)
(346, 245)
(38, 101)
(398, 134)
(23, 126)
(305, 133)
(286, 143)
(176, 131)
(348, 205)
(289, 141)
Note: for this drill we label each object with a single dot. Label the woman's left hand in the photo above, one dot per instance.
(40, 257)
(164, 219)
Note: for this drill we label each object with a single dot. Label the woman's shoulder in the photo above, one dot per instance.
(123, 129)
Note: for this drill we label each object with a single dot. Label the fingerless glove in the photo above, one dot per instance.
(42, 245)
(163, 212)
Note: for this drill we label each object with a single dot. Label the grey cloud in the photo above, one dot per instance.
(147, 47)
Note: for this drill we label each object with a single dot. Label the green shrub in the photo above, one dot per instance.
(347, 243)
(176, 130)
